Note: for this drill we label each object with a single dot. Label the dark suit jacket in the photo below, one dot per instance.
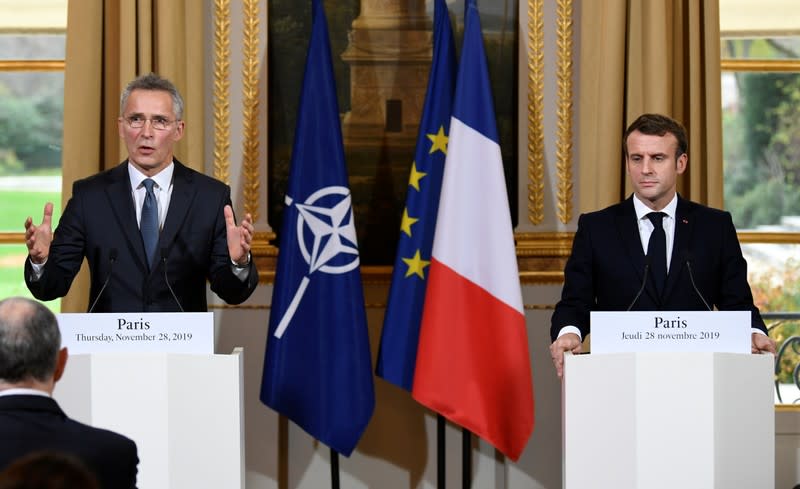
(34, 423)
(607, 264)
(100, 217)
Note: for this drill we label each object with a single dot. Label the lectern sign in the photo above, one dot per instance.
(163, 332)
(671, 331)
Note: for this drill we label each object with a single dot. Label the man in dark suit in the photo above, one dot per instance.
(148, 227)
(31, 362)
(606, 268)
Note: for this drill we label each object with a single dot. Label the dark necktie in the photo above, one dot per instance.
(149, 224)
(657, 251)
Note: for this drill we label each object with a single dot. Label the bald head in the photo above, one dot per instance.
(29, 341)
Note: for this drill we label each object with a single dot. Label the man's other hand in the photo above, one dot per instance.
(566, 342)
(761, 343)
(38, 238)
(239, 237)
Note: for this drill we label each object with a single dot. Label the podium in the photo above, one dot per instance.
(183, 410)
(668, 420)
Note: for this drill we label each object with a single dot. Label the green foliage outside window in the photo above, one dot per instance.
(779, 290)
(762, 150)
(31, 125)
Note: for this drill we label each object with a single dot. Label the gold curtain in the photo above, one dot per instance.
(639, 56)
(110, 42)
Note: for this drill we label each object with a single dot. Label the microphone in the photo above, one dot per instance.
(688, 261)
(644, 281)
(112, 258)
(166, 278)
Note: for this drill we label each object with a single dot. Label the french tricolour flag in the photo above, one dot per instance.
(472, 364)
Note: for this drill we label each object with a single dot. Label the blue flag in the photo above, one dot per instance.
(398, 351)
(317, 366)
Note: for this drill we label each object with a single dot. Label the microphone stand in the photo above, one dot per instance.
(112, 258)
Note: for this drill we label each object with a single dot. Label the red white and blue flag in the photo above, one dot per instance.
(473, 365)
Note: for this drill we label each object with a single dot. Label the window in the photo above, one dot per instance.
(32, 52)
(761, 148)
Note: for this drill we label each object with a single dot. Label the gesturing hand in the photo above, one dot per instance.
(239, 237)
(38, 238)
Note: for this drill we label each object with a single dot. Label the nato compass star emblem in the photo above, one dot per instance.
(333, 235)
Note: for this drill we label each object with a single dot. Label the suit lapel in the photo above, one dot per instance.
(183, 193)
(118, 190)
(684, 223)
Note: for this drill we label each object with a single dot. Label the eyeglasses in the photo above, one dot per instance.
(158, 123)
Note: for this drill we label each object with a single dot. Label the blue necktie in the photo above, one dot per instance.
(657, 251)
(149, 224)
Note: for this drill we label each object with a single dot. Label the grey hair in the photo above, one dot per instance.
(29, 340)
(153, 82)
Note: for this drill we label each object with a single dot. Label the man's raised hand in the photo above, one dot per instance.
(38, 238)
(239, 237)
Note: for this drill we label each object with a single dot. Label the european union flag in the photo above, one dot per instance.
(317, 366)
(398, 351)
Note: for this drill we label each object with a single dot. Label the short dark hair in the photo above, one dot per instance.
(29, 340)
(658, 125)
(151, 81)
(48, 470)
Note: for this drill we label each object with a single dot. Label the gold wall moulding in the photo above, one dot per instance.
(12, 238)
(544, 244)
(32, 65)
(266, 256)
(250, 110)
(750, 237)
(541, 258)
(564, 124)
(246, 307)
(535, 112)
(783, 65)
(222, 85)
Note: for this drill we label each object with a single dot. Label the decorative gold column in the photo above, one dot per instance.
(535, 112)
(564, 152)
(250, 110)
(222, 85)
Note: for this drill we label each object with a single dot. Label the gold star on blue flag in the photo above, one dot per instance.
(398, 350)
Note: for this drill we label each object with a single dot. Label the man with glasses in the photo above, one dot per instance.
(153, 230)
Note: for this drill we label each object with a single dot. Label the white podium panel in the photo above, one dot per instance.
(668, 420)
(183, 411)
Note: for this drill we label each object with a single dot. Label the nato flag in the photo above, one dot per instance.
(317, 366)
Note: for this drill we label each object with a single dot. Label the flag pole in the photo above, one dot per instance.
(441, 478)
(334, 469)
(466, 458)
